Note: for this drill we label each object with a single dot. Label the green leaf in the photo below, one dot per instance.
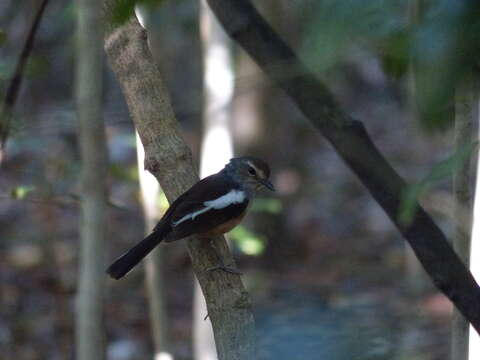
(6, 68)
(122, 11)
(20, 192)
(248, 242)
(333, 26)
(441, 170)
(445, 47)
(3, 37)
(129, 173)
(36, 66)
(452, 164)
(409, 202)
(394, 52)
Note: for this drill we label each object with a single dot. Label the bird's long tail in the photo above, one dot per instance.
(132, 257)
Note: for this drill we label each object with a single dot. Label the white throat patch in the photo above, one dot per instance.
(230, 198)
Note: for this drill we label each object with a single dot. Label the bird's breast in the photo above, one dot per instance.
(226, 226)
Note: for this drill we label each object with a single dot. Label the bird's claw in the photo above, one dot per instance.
(225, 268)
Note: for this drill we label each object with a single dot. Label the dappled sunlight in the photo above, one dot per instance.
(148, 184)
(219, 79)
(217, 147)
(163, 356)
(216, 150)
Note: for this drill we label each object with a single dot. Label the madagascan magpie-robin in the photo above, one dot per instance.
(213, 206)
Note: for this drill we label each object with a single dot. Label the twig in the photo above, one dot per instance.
(11, 94)
(64, 201)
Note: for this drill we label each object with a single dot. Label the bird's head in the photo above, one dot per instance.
(251, 172)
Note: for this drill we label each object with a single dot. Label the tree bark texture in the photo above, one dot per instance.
(169, 159)
(466, 113)
(351, 141)
(89, 305)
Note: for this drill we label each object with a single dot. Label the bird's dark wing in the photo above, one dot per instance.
(189, 214)
(209, 222)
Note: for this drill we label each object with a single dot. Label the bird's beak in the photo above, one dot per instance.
(267, 184)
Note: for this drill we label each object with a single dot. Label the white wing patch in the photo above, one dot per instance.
(233, 197)
(230, 198)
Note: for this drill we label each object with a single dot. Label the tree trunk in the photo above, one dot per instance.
(168, 158)
(350, 139)
(89, 324)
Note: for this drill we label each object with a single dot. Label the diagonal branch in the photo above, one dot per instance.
(11, 94)
(169, 159)
(352, 142)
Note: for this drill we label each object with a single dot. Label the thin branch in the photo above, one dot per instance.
(65, 201)
(13, 88)
(89, 324)
(350, 139)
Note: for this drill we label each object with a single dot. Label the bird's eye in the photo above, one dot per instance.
(251, 171)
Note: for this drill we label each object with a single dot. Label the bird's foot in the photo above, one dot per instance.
(221, 264)
(225, 268)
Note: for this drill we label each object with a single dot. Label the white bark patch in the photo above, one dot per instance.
(230, 198)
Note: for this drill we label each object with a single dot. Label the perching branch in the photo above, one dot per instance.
(13, 88)
(169, 159)
(352, 142)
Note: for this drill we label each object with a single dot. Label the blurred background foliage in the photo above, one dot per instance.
(438, 40)
(328, 265)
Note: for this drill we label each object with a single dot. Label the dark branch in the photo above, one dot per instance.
(11, 94)
(350, 139)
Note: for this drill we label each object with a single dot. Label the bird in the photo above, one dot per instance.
(213, 206)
